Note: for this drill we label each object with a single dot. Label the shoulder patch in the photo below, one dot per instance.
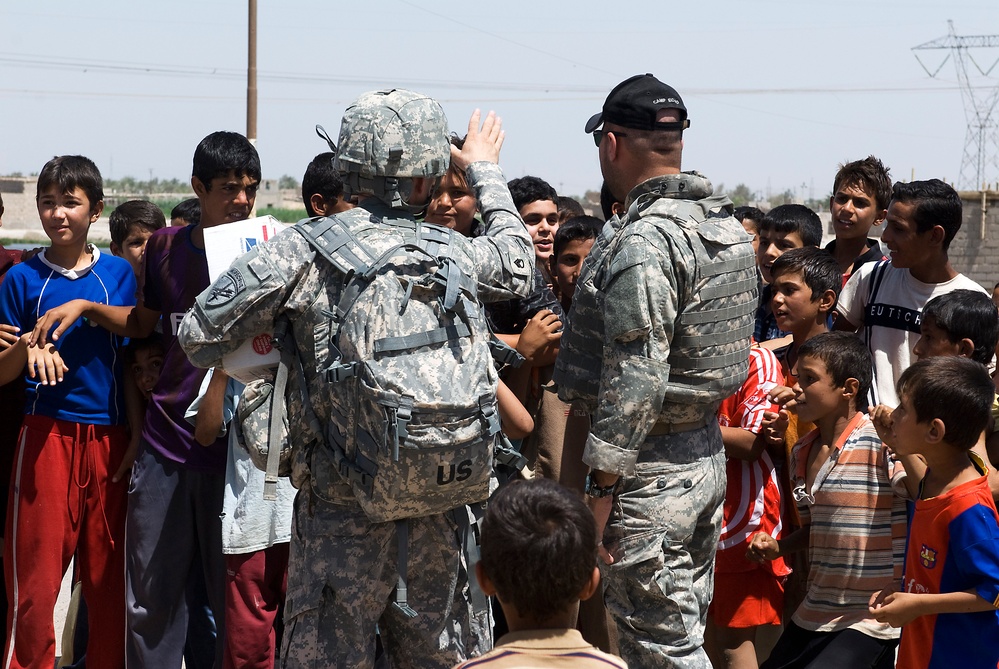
(225, 288)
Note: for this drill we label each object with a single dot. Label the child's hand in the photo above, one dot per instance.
(774, 426)
(8, 336)
(45, 364)
(128, 459)
(881, 417)
(895, 608)
(539, 333)
(783, 396)
(60, 317)
(762, 548)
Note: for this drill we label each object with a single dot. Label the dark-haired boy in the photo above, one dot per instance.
(751, 218)
(177, 484)
(572, 244)
(187, 212)
(789, 226)
(849, 495)
(67, 493)
(539, 557)
(132, 223)
(322, 187)
(951, 585)
(861, 191)
(568, 207)
(537, 203)
(884, 299)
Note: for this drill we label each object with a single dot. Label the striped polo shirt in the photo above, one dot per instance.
(856, 511)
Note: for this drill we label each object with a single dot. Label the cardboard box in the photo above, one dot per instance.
(255, 358)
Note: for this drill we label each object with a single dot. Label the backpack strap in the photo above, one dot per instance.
(401, 594)
(286, 344)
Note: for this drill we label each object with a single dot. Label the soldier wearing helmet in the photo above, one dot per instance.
(392, 149)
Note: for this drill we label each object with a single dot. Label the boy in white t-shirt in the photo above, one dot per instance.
(883, 301)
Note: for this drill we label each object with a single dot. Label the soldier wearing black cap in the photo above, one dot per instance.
(658, 336)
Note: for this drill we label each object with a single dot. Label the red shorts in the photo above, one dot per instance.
(747, 599)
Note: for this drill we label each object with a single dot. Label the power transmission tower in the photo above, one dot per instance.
(980, 94)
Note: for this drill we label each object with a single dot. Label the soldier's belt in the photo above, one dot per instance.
(660, 429)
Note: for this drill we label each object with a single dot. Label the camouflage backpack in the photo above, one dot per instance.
(412, 384)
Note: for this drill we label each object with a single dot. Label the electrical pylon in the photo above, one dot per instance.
(980, 93)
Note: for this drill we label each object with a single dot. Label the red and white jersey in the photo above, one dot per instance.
(753, 497)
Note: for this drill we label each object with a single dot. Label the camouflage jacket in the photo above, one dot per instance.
(285, 276)
(627, 315)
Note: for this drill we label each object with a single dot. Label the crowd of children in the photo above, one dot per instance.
(860, 503)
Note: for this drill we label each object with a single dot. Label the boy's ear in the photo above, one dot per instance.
(318, 204)
(827, 300)
(882, 215)
(851, 387)
(96, 211)
(199, 187)
(115, 249)
(936, 431)
(488, 589)
(937, 235)
(965, 348)
(592, 586)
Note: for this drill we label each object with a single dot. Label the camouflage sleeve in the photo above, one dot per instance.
(245, 300)
(640, 305)
(504, 255)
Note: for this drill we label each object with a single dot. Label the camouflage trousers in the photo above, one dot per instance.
(342, 574)
(662, 533)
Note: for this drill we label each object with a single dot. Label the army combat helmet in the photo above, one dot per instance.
(387, 138)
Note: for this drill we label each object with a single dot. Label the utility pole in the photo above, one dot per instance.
(980, 162)
(251, 76)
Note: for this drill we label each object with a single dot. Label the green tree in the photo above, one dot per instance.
(288, 182)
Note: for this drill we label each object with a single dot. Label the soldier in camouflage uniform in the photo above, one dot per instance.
(658, 336)
(393, 147)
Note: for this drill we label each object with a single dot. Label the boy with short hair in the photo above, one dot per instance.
(789, 226)
(132, 223)
(187, 212)
(951, 585)
(572, 244)
(537, 203)
(73, 439)
(177, 484)
(861, 191)
(322, 187)
(751, 218)
(884, 299)
(539, 557)
(849, 493)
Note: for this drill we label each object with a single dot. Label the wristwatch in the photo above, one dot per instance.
(593, 490)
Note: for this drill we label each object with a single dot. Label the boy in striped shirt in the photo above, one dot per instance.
(850, 495)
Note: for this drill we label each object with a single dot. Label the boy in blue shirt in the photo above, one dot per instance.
(73, 439)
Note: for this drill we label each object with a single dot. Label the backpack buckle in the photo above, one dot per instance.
(339, 372)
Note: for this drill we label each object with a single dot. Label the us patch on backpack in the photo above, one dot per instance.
(413, 386)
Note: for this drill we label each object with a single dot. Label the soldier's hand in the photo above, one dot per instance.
(9, 335)
(481, 143)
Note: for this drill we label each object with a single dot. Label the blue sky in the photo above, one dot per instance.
(779, 92)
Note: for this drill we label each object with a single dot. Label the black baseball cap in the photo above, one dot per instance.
(635, 102)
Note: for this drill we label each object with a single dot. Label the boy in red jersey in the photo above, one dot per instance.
(951, 582)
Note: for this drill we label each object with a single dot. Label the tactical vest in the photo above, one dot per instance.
(709, 350)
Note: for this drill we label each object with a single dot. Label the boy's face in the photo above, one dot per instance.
(226, 199)
(541, 219)
(817, 394)
(565, 268)
(66, 217)
(133, 247)
(854, 212)
(454, 206)
(909, 247)
(752, 229)
(146, 369)
(907, 432)
(934, 341)
(792, 302)
(773, 245)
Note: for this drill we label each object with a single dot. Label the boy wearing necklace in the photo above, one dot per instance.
(849, 493)
(73, 440)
